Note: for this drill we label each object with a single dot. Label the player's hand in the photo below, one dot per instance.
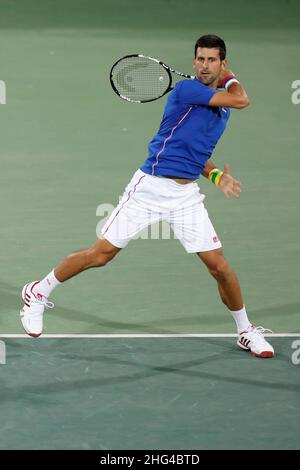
(229, 185)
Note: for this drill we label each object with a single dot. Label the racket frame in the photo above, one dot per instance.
(166, 67)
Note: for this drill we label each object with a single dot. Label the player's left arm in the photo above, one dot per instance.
(225, 182)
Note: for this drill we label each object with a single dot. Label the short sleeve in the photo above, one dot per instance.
(194, 92)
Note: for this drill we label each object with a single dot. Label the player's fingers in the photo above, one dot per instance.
(232, 189)
(236, 191)
(228, 192)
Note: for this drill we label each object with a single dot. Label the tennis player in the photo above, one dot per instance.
(165, 188)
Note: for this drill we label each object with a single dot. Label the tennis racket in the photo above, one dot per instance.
(138, 78)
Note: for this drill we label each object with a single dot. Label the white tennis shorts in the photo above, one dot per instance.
(149, 199)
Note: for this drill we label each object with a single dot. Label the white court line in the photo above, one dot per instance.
(136, 335)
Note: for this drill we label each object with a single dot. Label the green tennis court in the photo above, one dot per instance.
(68, 148)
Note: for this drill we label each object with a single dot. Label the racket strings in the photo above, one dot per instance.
(138, 78)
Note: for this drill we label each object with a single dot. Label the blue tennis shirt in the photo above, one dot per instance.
(188, 133)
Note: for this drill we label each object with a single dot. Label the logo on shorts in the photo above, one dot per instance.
(215, 239)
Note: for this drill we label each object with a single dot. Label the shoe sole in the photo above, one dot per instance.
(263, 354)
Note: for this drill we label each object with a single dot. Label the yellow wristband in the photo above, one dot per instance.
(215, 175)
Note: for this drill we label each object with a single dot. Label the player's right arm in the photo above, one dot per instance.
(194, 92)
(234, 97)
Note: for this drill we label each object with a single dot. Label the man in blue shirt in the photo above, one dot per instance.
(188, 133)
(164, 189)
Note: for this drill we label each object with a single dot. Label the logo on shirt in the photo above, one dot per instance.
(215, 239)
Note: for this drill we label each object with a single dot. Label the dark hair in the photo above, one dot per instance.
(212, 41)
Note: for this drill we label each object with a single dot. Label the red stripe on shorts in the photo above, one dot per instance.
(129, 196)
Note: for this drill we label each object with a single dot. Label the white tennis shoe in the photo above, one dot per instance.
(31, 314)
(253, 340)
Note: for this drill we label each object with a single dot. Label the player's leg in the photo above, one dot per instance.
(96, 256)
(130, 216)
(250, 337)
(196, 233)
(36, 293)
(228, 284)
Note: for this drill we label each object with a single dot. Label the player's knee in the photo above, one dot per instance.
(100, 261)
(220, 270)
(101, 258)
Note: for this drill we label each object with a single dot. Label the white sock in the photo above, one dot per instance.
(46, 285)
(241, 319)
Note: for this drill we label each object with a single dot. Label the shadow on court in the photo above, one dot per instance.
(100, 323)
(159, 393)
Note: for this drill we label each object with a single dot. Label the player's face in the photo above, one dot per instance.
(208, 65)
